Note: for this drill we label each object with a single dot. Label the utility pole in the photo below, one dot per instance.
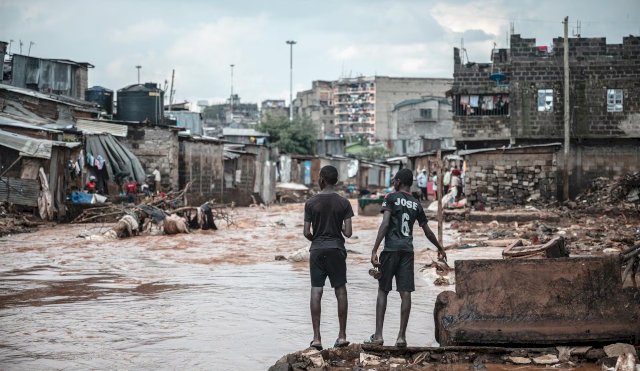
(173, 75)
(291, 44)
(231, 96)
(567, 128)
(138, 67)
(31, 43)
(439, 192)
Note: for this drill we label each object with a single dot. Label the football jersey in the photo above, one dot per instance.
(405, 210)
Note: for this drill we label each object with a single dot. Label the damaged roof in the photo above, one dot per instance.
(31, 147)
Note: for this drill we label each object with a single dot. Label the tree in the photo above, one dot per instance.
(297, 136)
(373, 153)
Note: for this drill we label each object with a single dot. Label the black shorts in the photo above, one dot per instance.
(328, 262)
(400, 265)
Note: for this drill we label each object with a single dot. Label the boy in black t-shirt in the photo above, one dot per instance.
(329, 215)
(401, 210)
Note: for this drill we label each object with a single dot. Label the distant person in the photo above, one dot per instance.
(435, 183)
(327, 220)
(91, 186)
(422, 184)
(131, 189)
(456, 182)
(157, 179)
(446, 180)
(401, 210)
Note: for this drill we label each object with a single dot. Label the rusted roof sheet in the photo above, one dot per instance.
(22, 192)
(27, 146)
(101, 127)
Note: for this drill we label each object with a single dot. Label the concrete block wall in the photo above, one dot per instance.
(156, 146)
(516, 177)
(595, 66)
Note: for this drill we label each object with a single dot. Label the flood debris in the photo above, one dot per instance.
(374, 358)
(12, 221)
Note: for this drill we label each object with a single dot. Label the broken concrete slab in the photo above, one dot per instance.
(544, 301)
(547, 359)
(520, 360)
(617, 349)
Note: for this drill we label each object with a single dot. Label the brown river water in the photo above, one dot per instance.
(214, 300)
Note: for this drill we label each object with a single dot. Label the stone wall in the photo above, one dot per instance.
(511, 177)
(156, 146)
(201, 164)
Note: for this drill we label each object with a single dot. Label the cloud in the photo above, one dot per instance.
(147, 30)
(457, 17)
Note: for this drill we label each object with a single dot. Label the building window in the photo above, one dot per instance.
(425, 113)
(614, 100)
(481, 105)
(545, 100)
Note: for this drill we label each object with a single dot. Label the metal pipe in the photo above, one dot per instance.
(291, 44)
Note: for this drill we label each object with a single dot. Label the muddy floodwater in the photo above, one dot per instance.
(207, 300)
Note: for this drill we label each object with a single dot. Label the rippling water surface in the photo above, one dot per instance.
(207, 300)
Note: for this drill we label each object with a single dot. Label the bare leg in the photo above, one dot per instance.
(315, 305)
(381, 308)
(405, 310)
(343, 307)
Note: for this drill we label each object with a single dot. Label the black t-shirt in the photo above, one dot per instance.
(326, 212)
(405, 210)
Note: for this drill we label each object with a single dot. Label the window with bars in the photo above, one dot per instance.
(614, 100)
(481, 105)
(545, 100)
(425, 113)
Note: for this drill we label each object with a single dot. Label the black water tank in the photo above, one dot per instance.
(102, 96)
(140, 102)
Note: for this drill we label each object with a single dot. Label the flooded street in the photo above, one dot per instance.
(207, 300)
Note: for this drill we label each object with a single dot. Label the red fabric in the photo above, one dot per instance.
(91, 186)
(131, 187)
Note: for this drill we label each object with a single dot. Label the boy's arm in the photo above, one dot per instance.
(434, 240)
(307, 231)
(347, 230)
(382, 231)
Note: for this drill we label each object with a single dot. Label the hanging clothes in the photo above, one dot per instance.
(81, 158)
(487, 102)
(473, 101)
(99, 162)
(90, 161)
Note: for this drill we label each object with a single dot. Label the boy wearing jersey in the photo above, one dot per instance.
(401, 210)
(327, 221)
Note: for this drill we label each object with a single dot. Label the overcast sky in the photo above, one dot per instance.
(200, 39)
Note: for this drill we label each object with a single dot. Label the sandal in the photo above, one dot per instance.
(373, 341)
(315, 346)
(401, 344)
(341, 343)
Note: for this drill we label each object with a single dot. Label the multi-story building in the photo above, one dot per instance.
(364, 105)
(273, 108)
(317, 104)
(518, 99)
(420, 125)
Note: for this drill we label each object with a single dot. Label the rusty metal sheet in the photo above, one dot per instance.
(23, 192)
(539, 301)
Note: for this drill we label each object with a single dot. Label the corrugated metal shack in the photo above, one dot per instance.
(201, 163)
(56, 76)
(23, 154)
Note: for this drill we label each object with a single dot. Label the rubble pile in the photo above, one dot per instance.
(507, 185)
(368, 357)
(12, 221)
(605, 195)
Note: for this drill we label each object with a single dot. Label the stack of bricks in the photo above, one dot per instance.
(505, 183)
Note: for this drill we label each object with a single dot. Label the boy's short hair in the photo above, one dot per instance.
(405, 176)
(329, 174)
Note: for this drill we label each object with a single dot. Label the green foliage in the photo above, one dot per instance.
(215, 112)
(373, 153)
(297, 136)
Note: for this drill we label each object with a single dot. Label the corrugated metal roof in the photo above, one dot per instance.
(6, 120)
(27, 146)
(228, 155)
(19, 191)
(242, 133)
(101, 127)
